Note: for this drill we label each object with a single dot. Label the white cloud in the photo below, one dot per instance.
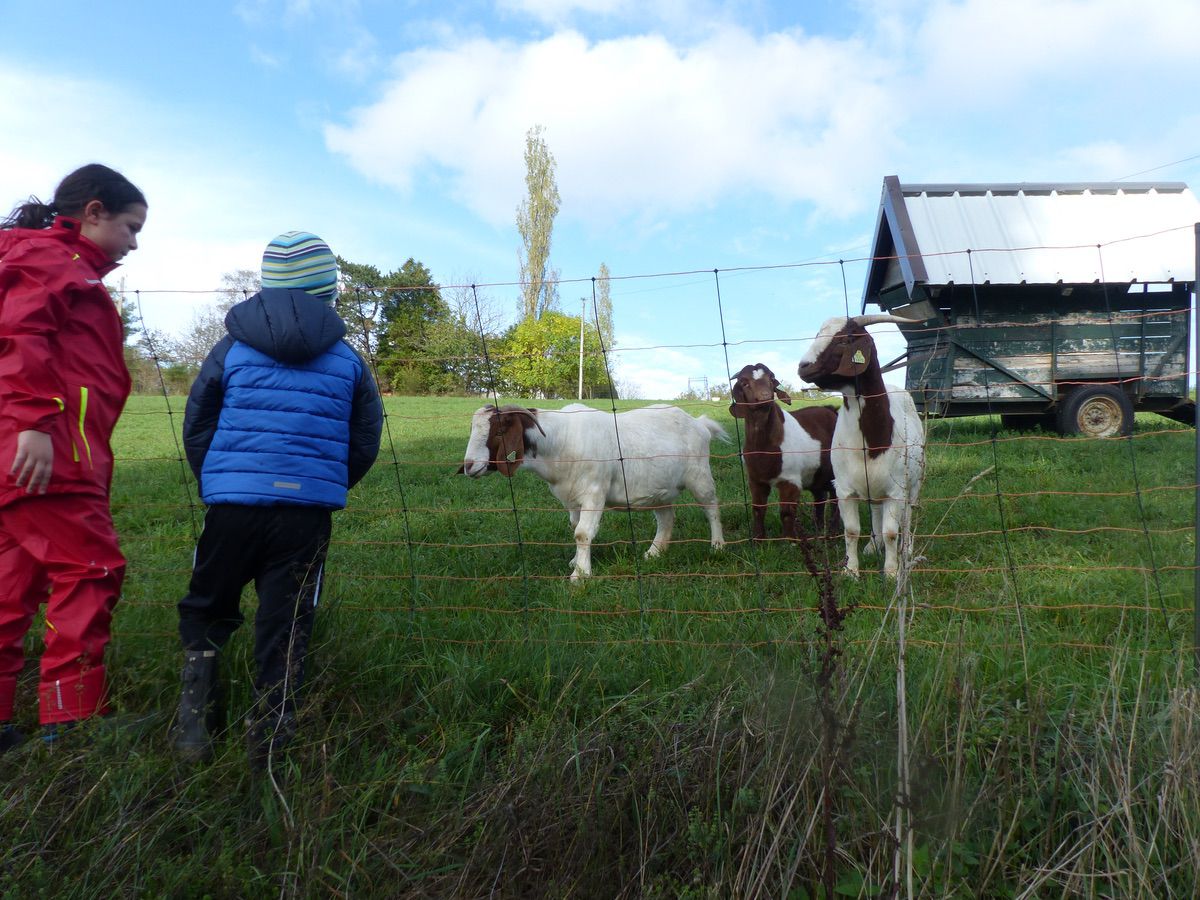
(209, 213)
(990, 53)
(635, 124)
(659, 374)
(261, 57)
(357, 55)
(643, 127)
(288, 12)
(557, 11)
(766, 316)
(647, 130)
(680, 16)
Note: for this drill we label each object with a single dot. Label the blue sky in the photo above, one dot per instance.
(689, 136)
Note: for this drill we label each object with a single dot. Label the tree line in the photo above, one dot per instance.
(423, 339)
(418, 337)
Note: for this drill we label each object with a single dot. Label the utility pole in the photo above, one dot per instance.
(582, 314)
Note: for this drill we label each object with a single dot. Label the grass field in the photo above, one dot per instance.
(475, 725)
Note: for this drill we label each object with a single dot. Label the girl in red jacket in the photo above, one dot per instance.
(63, 383)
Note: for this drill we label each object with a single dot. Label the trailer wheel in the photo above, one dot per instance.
(1099, 410)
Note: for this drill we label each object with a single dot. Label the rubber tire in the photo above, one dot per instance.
(1099, 410)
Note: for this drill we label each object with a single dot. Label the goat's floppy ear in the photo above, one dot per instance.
(781, 393)
(856, 356)
(506, 445)
(737, 408)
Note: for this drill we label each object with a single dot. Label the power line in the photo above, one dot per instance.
(1156, 168)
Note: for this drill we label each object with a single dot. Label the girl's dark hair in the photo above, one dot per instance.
(76, 191)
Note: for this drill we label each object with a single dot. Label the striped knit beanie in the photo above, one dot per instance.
(303, 261)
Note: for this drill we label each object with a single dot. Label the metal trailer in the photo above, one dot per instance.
(1064, 305)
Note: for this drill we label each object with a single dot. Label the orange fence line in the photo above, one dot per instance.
(186, 540)
(991, 609)
(754, 611)
(440, 545)
(771, 267)
(886, 640)
(334, 574)
(1117, 317)
(451, 464)
(376, 511)
(729, 576)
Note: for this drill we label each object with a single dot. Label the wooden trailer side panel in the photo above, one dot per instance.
(1024, 357)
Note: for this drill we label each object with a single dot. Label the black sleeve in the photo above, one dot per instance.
(204, 406)
(366, 426)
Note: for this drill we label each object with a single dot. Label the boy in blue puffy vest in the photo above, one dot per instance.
(283, 419)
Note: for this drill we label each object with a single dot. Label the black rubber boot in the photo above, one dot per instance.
(199, 715)
(270, 727)
(271, 723)
(11, 737)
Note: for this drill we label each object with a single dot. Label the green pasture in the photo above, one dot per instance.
(476, 725)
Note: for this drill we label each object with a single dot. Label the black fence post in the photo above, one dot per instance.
(1194, 367)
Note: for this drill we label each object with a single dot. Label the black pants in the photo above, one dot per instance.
(282, 550)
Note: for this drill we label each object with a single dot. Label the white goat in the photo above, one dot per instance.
(878, 451)
(578, 451)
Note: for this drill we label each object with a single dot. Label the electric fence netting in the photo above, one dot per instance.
(1009, 522)
(1039, 562)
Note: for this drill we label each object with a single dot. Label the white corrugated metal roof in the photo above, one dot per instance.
(1048, 233)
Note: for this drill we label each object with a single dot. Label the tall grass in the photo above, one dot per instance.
(476, 726)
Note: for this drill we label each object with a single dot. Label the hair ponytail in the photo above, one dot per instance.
(74, 193)
(33, 214)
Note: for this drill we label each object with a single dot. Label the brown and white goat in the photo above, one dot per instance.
(640, 459)
(788, 451)
(878, 451)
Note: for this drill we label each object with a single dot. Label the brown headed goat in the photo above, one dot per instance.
(640, 459)
(878, 450)
(789, 451)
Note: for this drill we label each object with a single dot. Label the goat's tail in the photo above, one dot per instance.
(713, 430)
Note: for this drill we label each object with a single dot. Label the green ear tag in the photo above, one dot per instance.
(858, 358)
(512, 454)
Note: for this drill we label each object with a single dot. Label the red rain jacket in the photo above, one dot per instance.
(62, 361)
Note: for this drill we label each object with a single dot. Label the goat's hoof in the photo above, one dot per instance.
(654, 551)
(850, 573)
(718, 545)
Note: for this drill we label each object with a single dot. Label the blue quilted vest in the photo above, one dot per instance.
(283, 436)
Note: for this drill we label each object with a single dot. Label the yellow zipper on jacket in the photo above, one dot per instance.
(62, 407)
(83, 399)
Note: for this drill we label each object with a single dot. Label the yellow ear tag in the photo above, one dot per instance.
(858, 358)
(512, 454)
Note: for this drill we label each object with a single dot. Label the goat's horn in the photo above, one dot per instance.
(879, 318)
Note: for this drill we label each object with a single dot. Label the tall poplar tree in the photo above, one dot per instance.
(535, 222)
(604, 314)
